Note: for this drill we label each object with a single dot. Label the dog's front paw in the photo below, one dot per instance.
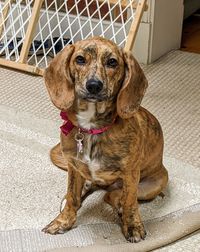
(134, 233)
(60, 224)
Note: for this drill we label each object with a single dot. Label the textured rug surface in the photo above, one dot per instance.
(173, 97)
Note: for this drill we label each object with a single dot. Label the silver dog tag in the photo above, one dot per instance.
(79, 146)
(79, 139)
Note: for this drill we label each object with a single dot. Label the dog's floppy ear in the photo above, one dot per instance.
(58, 81)
(133, 87)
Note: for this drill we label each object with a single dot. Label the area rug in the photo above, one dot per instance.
(32, 189)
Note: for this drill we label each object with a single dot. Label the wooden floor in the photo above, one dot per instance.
(191, 34)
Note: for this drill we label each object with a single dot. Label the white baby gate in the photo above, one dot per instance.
(34, 31)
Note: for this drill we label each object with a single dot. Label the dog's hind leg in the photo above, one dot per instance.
(151, 186)
(113, 198)
(148, 188)
(57, 157)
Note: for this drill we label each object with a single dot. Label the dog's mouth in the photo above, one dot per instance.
(93, 98)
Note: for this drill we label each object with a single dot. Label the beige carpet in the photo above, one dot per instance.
(29, 183)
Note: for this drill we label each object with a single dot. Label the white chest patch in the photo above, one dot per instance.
(93, 164)
(84, 117)
(84, 120)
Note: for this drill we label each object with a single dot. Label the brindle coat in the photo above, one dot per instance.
(127, 158)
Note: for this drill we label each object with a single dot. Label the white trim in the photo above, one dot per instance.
(160, 30)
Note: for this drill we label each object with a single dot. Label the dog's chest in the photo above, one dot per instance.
(92, 156)
(85, 117)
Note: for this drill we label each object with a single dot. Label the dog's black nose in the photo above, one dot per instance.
(94, 86)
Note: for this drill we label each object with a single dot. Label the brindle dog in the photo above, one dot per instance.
(98, 84)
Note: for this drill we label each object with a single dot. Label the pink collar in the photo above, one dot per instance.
(68, 126)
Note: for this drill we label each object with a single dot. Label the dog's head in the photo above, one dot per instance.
(96, 70)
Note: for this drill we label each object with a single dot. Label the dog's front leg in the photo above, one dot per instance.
(132, 226)
(67, 217)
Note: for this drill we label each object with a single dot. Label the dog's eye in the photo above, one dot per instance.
(80, 60)
(112, 63)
